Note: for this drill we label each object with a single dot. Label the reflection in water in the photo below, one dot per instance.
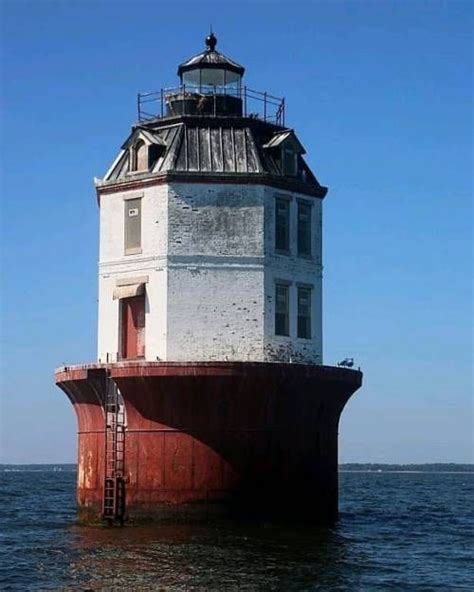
(396, 532)
(215, 557)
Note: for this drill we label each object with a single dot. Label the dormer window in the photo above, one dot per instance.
(145, 149)
(285, 148)
(289, 161)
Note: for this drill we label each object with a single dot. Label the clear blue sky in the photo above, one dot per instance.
(379, 93)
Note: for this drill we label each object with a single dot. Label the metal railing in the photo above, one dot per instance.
(211, 101)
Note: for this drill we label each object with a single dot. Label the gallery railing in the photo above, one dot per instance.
(211, 101)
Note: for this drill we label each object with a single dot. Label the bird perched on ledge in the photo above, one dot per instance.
(347, 362)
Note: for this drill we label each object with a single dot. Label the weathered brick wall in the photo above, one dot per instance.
(215, 313)
(215, 272)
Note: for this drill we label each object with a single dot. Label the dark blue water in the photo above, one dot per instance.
(397, 531)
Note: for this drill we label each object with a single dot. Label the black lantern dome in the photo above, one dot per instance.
(210, 70)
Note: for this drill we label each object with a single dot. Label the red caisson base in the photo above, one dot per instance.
(204, 438)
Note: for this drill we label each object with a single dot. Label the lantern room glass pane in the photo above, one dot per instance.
(192, 78)
(209, 78)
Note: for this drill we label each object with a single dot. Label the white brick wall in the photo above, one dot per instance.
(215, 272)
(208, 252)
(215, 313)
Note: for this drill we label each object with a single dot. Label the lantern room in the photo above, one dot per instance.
(210, 70)
(211, 84)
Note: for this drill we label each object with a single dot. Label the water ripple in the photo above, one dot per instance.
(404, 531)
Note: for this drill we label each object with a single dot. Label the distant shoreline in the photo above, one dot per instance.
(406, 468)
(461, 468)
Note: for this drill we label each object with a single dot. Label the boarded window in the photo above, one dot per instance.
(282, 309)
(282, 225)
(133, 224)
(304, 229)
(141, 157)
(304, 313)
(289, 161)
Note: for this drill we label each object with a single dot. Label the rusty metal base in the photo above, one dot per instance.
(207, 439)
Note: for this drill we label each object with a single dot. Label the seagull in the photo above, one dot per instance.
(347, 362)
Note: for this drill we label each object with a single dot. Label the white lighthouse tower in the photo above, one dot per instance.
(209, 393)
(210, 228)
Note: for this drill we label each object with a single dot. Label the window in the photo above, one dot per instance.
(289, 161)
(304, 229)
(154, 153)
(143, 157)
(304, 313)
(282, 225)
(282, 309)
(133, 226)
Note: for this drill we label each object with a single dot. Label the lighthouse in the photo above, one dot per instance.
(209, 392)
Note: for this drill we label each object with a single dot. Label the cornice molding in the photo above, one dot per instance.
(275, 181)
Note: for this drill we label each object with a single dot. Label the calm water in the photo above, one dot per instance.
(397, 531)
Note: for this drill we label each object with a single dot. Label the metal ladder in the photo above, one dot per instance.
(113, 507)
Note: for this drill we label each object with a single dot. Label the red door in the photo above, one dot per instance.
(133, 327)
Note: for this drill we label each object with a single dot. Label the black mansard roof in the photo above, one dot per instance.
(216, 147)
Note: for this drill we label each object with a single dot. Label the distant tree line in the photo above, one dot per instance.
(426, 468)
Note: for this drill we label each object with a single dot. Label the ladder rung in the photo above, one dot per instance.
(113, 505)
